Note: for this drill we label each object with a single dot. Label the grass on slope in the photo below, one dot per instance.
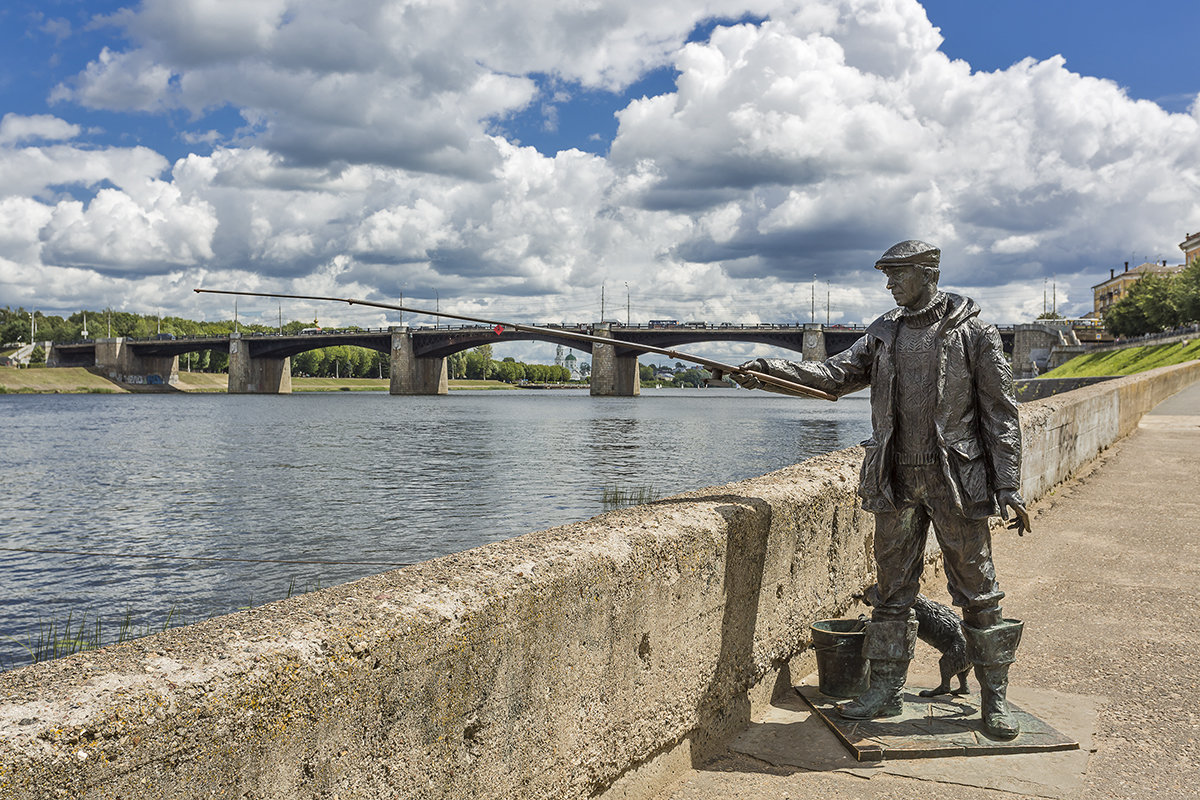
(80, 380)
(67, 380)
(1127, 361)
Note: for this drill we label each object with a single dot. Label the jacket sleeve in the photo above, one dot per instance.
(999, 421)
(846, 372)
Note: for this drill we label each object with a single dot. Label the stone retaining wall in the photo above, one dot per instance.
(584, 660)
(1041, 388)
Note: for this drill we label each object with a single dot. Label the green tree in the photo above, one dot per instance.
(510, 371)
(38, 356)
(691, 377)
(456, 365)
(1185, 293)
(1145, 308)
(479, 363)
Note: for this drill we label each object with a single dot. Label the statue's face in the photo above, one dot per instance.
(909, 285)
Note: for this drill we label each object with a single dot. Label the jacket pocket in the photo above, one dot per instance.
(869, 474)
(970, 468)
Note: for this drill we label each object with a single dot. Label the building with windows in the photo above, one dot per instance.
(1190, 247)
(1118, 283)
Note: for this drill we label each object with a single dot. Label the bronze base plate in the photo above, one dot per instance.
(933, 727)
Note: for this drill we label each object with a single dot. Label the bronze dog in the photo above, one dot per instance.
(940, 627)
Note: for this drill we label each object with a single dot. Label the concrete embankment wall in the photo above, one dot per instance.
(1041, 388)
(584, 660)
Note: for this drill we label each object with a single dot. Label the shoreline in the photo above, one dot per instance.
(84, 380)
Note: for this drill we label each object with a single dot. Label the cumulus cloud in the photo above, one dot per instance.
(409, 84)
(115, 231)
(17, 128)
(843, 126)
(131, 221)
(789, 154)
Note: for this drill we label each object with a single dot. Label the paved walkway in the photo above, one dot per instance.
(1109, 586)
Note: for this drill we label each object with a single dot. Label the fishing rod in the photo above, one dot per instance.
(718, 368)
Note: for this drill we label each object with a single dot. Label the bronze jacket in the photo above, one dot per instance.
(978, 432)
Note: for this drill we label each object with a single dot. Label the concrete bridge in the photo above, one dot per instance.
(261, 363)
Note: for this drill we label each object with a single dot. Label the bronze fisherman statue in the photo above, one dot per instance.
(946, 450)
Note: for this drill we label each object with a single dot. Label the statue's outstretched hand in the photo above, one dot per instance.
(749, 381)
(1011, 498)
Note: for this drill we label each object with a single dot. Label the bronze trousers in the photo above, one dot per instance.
(922, 498)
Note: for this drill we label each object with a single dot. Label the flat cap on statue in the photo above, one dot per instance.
(911, 251)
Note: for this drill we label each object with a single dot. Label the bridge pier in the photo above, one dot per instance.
(249, 375)
(413, 374)
(1036, 348)
(814, 342)
(121, 363)
(613, 375)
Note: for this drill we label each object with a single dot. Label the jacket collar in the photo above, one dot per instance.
(958, 310)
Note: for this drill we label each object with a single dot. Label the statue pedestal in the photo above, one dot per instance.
(932, 727)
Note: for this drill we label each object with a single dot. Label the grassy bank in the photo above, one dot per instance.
(65, 380)
(80, 380)
(1127, 361)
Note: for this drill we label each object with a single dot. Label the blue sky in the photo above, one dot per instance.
(717, 156)
(1148, 48)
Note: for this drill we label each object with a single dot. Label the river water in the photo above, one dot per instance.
(346, 477)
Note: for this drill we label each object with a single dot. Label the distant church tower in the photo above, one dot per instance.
(558, 356)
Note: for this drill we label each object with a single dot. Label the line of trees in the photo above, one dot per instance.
(343, 361)
(15, 326)
(692, 377)
(477, 364)
(1157, 303)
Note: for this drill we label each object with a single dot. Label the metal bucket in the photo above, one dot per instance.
(841, 669)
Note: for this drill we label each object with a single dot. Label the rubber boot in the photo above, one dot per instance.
(992, 650)
(889, 645)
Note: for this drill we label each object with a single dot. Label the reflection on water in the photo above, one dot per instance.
(342, 477)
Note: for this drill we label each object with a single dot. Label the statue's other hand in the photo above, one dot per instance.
(1011, 498)
(749, 381)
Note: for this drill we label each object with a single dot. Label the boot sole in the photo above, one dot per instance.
(888, 711)
(1003, 735)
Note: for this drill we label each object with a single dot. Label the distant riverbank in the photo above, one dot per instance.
(80, 380)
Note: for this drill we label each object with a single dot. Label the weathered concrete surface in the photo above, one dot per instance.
(120, 363)
(413, 374)
(814, 343)
(1107, 585)
(1041, 388)
(1062, 433)
(256, 375)
(598, 657)
(613, 375)
(540, 667)
(1034, 347)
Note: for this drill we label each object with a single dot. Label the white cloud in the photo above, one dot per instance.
(843, 127)
(16, 128)
(803, 145)
(127, 81)
(408, 84)
(35, 171)
(115, 231)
